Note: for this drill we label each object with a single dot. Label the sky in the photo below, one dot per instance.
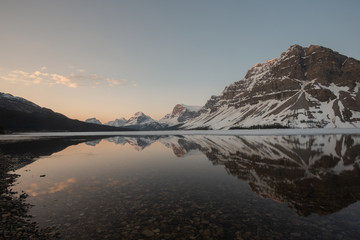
(110, 59)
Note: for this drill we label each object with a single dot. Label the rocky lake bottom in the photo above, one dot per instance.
(181, 187)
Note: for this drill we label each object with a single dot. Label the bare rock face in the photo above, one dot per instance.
(305, 87)
(178, 109)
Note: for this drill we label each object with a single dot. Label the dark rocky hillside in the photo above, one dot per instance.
(18, 114)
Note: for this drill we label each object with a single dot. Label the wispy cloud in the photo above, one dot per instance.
(73, 80)
(79, 70)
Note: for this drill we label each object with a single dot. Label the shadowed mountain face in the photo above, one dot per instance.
(18, 114)
(311, 174)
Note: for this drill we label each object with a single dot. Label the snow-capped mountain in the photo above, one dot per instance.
(305, 87)
(139, 121)
(119, 122)
(93, 120)
(143, 122)
(180, 114)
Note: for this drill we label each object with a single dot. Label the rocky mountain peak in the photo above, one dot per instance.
(93, 120)
(179, 115)
(177, 110)
(293, 50)
(117, 122)
(138, 114)
(142, 121)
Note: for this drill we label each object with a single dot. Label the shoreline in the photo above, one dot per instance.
(15, 221)
(242, 132)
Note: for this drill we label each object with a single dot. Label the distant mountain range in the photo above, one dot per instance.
(306, 87)
(180, 114)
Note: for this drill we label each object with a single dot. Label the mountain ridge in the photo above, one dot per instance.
(18, 114)
(180, 114)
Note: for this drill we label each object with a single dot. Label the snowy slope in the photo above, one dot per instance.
(143, 122)
(119, 122)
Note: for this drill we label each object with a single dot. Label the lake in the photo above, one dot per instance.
(191, 186)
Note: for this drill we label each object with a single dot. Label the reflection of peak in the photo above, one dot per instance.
(93, 143)
(117, 140)
(178, 151)
(297, 170)
(139, 143)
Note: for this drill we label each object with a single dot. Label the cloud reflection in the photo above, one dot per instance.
(35, 189)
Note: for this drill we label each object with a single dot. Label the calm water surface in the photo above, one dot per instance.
(193, 187)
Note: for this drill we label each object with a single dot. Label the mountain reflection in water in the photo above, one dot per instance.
(101, 180)
(312, 174)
